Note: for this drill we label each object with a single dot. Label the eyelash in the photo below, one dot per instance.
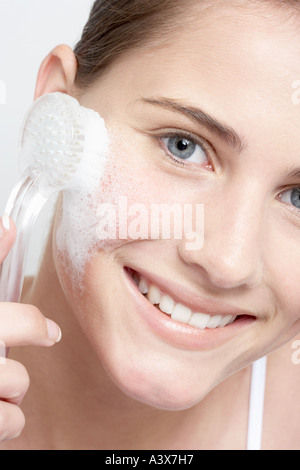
(203, 144)
(292, 208)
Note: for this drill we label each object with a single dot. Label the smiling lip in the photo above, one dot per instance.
(182, 335)
(195, 302)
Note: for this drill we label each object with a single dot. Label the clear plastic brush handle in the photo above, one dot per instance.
(23, 206)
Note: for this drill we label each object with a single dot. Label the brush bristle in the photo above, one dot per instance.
(52, 141)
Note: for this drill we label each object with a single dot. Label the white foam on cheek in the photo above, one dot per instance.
(77, 229)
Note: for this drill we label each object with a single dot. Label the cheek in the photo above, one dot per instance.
(282, 271)
(130, 188)
(135, 178)
(98, 219)
(288, 292)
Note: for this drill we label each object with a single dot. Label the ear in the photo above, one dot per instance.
(57, 72)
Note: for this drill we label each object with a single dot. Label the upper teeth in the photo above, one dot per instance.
(178, 311)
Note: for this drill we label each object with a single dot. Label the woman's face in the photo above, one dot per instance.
(206, 118)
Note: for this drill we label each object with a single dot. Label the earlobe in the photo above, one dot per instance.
(57, 72)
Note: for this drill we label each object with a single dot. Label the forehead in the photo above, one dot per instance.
(223, 47)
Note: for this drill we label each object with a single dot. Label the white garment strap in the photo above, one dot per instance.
(256, 405)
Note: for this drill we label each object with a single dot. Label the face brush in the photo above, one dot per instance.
(57, 137)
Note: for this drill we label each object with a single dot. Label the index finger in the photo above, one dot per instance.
(24, 325)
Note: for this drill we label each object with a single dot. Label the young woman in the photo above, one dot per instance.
(199, 102)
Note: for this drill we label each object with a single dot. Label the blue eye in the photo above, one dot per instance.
(185, 149)
(292, 196)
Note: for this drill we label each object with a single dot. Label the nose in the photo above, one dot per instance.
(231, 255)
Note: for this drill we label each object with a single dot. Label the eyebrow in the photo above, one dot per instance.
(295, 173)
(226, 133)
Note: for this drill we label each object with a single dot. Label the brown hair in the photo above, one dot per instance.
(117, 26)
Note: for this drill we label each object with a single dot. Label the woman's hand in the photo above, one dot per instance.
(20, 325)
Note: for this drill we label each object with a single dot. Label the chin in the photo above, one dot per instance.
(152, 385)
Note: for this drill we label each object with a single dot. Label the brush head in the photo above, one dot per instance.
(56, 134)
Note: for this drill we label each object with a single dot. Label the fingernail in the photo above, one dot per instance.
(6, 222)
(54, 332)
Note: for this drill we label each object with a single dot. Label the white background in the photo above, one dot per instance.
(29, 30)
